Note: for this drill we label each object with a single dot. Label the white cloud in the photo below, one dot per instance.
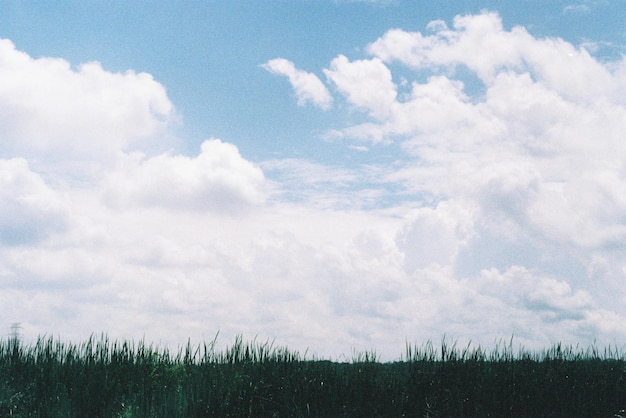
(50, 111)
(537, 125)
(316, 184)
(307, 86)
(434, 236)
(30, 210)
(577, 8)
(485, 47)
(522, 182)
(533, 163)
(365, 83)
(218, 179)
(545, 295)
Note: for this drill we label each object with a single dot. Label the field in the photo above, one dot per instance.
(104, 378)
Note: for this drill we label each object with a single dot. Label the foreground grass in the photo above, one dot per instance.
(104, 378)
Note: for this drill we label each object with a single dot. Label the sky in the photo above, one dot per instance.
(332, 175)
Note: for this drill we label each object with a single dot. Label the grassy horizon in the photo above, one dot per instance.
(101, 377)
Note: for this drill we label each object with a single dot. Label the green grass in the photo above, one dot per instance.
(104, 378)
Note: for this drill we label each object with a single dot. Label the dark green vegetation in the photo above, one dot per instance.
(103, 378)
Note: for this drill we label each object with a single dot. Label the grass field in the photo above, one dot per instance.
(104, 378)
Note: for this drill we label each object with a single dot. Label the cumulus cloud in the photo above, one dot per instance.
(218, 179)
(537, 124)
(482, 44)
(531, 160)
(365, 83)
(307, 86)
(49, 108)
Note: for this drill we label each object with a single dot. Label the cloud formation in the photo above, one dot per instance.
(365, 83)
(50, 108)
(218, 179)
(501, 212)
(522, 137)
(307, 86)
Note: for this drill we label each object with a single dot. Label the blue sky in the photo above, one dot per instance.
(360, 173)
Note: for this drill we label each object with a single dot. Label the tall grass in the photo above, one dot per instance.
(105, 378)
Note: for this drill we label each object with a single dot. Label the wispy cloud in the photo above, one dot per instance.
(307, 86)
(577, 8)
